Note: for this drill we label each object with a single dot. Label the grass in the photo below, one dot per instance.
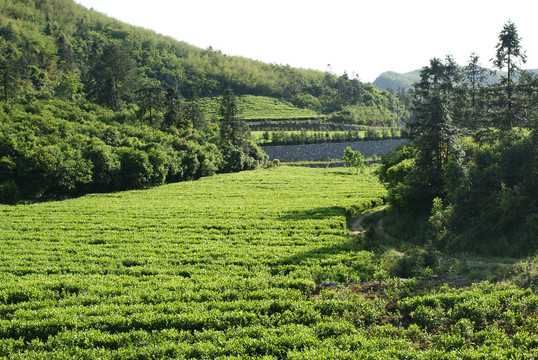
(236, 266)
(260, 108)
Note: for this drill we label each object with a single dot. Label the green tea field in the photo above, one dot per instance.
(233, 267)
(260, 108)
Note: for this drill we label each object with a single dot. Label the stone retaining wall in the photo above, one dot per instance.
(321, 152)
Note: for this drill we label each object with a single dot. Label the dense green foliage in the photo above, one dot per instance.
(51, 149)
(473, 166)
(56, 56)
(191, 270)
(52, 42)
(322, 137)
(354, 159)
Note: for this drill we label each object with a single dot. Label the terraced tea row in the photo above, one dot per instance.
(253, 237)
(230, 267)
(261, 108)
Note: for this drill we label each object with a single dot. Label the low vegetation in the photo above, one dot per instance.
(261, 109)
(258, 264)
(192, 270)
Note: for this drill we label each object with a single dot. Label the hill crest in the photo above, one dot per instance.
(394, 80)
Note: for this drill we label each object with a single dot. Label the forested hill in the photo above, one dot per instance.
(471, 173)
(88, 103)
(56, 38)
(393, 80)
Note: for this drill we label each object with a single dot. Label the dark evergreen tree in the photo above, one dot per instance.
(475, 80)
(509, 54)
(150, 99)
(10, 69)
(434, 130)
(112, 77)
(195, 114)
(65, 52)
(232, 128)
(174, 107)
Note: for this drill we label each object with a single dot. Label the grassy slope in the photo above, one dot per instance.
(227, 267)
(260, 108)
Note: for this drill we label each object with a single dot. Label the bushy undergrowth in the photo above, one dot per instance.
(489, 199)
(53, 149)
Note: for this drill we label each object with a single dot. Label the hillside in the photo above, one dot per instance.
(393, 80)
(65, 66)
(261, 109)
(50, 41)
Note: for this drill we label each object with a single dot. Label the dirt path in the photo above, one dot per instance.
(355, 227)
(381, 230)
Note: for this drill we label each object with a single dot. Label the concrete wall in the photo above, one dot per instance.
(320, 152)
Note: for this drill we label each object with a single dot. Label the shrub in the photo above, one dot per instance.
(234, 158)
(135, 170)
(9, 192)
(106, 165)
(428, 317)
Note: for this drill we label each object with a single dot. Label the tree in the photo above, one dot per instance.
(509, 51)
(232, 128)
(434, 130)
(354, 158)
(195, 114)
(9, 61)
(183, 113)
(150, 98)
(174, 107)
(68, 87)
(112, 77)
(509, 54)
(66, 54)
(475, 77)
(528, 92)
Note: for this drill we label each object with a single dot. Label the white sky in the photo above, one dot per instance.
(360, 37)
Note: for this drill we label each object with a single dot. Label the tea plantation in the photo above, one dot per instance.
(233, 267)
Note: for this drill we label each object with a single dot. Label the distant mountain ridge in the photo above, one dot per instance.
(395, 81)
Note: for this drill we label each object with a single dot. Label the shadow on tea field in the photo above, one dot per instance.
(313, 214)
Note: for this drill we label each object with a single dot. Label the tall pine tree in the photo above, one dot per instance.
(434, 129)
(232, 128)
(509, 54)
